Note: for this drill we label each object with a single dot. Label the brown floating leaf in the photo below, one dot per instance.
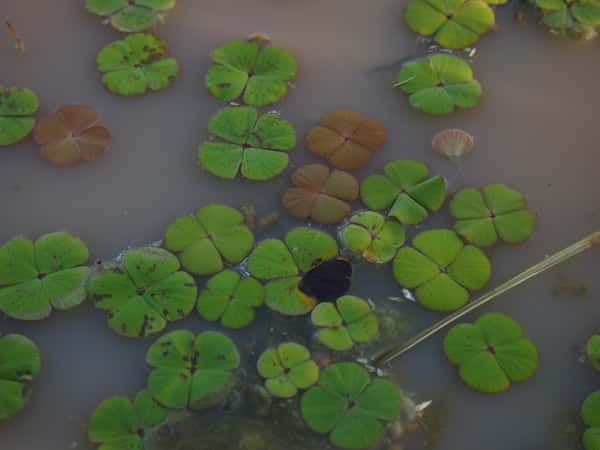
(453, 143)
(71, 135)
(320, 195)
(346, 139)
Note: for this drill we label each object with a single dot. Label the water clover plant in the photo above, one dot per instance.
(320, 194)
(349, 406)
(20, 363)
(144, 292)
(344, 323)
(441, 269)
(131, 15)
(574, 15)
(194, 371)
(283, 264)
(36, 277)
(136, 64)
(491, 353)
(286, 369)
(592, 350)
(590, 414)
(17, 107)
(255, 146)
(495, 212)
(370, 235)
(216, 235)
(440, 83)
(406, 190)
(230, 299)
(253, 70)
(119, 424)
(452, 24)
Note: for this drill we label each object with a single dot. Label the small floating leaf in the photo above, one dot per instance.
(17, 107)
(593, 351)
(143, 293)
(590, 414)
(570, 15)
(453, 143)
(287, 368)
(135, 64)
(320, 194)
(34, 278)
(439, 84)
(131, 15)
(71, 135)
(497, 212)
(256, 147)
(441, 269)
(254, 70)
(346, 139)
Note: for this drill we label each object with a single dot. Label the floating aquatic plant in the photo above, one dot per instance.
(491, 353)
(216, 235)
(231, 299)
(453, 143)
(119, 424)
(593, 351)
(136, 64)
(344, 323)
(441, 269)
(454, 24)
(320, 194)
(17, 107)
(255, 146)
(20, 363)
(36, 277)
(349, 406)
(289, 268)
(72, 134)
(194, 371)
(590, 414)
(406, 190)
(576, 15)
(440, 83)
(131, 15)
(251, 69)
(370, 235)
(144, 292)
(287, 369)
(346, 139)
(497, 212)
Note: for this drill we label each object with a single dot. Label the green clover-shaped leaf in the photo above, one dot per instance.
(17, 107)
(349, 406)
(573, 15)
(491, 353)
(590, 414)
(287, 368)
(136, 64)
(344, 323)
(593, 351)
(34, 278)
(20, 363)
(255, 72)
(439, 84)
(131, 15)
(255, 147)
(194, 371)
(452, 24)
(231, 299)
(119, 424)
(441, 269)
(372, 236)
(497, 212)
(406, 190)
(143, 293)
(216, 235)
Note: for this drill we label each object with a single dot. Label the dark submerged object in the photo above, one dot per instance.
(328, 281)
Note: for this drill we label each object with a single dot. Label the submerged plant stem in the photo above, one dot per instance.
(572, 250)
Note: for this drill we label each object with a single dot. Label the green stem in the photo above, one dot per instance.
(572, 250)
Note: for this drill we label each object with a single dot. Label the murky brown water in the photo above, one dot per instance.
(536, 130)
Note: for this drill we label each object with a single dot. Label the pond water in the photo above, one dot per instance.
(536, 129)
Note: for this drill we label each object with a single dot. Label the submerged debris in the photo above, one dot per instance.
(453, 143)
(19, 44)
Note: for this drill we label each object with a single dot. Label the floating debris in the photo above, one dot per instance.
(19, 44)
(249, 213)
(259, 37)
(453, 143)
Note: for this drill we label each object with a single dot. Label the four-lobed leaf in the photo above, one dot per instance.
(144, 292)
(287, 369)
(567, 15)
(36, 277)
(441, 269)
(590, 414)
(257, 147)
(406, 191)
(17, 107)
(131, 15)
(491, 353)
